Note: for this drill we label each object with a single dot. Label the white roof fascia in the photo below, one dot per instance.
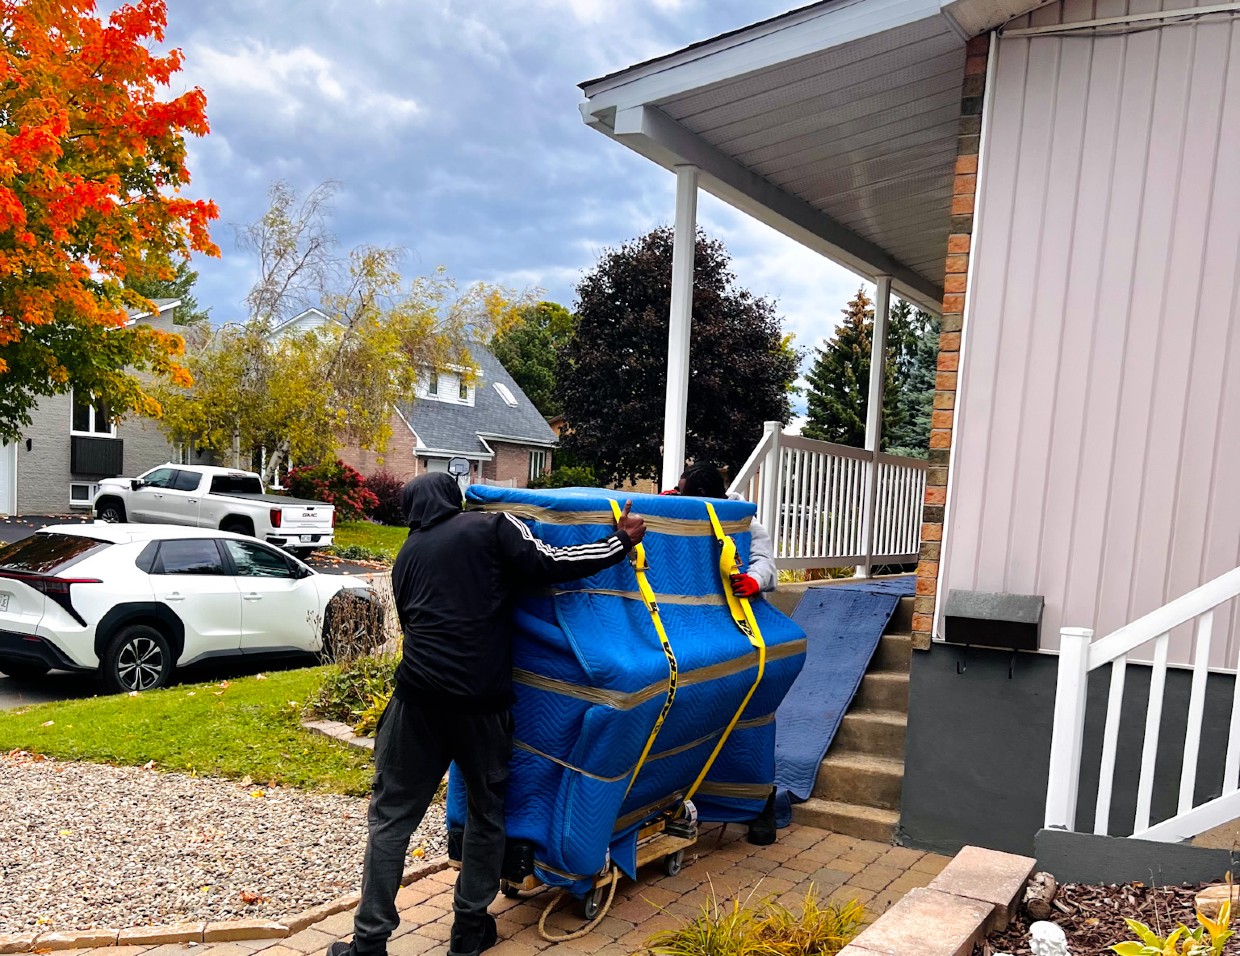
(658, 137)
(513, 440)
(449, 453)
(799, 34)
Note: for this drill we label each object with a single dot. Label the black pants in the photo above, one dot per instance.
(412, 751)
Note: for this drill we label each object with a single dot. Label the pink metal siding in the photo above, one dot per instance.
(1097, 444)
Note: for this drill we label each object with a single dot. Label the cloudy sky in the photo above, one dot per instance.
(453, 129)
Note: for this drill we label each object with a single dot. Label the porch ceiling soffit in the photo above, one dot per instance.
(835, 124)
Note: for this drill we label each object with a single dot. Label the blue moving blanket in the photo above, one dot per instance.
(843, 624)
(591, 677)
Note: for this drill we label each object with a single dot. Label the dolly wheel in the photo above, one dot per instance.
(593, 902)
(673, 862)
(510, 890)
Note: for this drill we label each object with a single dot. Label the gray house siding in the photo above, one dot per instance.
(44, 472)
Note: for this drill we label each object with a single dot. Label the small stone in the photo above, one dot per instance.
(244, 929)
(1210, 900)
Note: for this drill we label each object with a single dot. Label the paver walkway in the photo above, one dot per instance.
(722, 863)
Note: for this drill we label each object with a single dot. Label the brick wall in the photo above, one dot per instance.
(399, 457)
(959, 244)
(512, 462)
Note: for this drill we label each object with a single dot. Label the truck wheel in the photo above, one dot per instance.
(110, 510)
(138, 658)
(237, 526)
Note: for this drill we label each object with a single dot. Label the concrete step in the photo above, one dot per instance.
(861, 779)
(902, 618)
(894, 653)
(882, 690)
(865, 823)
(875, 733)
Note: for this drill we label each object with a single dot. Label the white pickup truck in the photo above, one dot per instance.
(223, 498)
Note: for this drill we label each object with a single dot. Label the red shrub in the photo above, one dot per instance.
(338, 485)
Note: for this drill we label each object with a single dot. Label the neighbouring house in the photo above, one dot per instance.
(1056, 180)
(477, 413)
(72, 442)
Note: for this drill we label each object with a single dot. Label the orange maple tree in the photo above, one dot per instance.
(92, 164)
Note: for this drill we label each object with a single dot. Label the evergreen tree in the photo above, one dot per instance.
(912, 349)
(179, 286)
(839, 381)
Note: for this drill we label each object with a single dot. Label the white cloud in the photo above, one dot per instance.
(297, 84)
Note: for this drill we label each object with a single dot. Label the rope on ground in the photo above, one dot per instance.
(614, 876)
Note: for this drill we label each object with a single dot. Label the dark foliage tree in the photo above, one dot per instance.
(612, 375)
(529, 349)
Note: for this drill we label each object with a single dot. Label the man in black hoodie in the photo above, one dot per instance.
(456, 581)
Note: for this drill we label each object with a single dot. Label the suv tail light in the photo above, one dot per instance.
(333, 517)
(277, 516)
(58, 589)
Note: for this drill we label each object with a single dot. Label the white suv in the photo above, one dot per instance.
(133, 602)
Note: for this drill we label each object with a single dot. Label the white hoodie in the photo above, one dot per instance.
(761, 557)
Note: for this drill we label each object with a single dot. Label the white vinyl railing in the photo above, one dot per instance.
(827, 498)
(1079, 654)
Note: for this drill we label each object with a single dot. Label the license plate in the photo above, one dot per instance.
(305, 539)
(4, 602)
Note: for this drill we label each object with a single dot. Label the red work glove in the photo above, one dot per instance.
(744, 586)
(670, 491)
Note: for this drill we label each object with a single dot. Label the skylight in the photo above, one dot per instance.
(506, 394)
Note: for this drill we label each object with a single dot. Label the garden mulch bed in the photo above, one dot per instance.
(1095, 915)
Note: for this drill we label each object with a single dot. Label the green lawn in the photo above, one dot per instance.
(379, 539)
(249, 726)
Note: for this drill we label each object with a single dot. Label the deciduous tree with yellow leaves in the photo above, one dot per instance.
(92, 164)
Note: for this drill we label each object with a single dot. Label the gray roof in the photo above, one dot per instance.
(447, 426)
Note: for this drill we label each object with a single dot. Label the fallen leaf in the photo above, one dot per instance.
(257, 793)
(133, 693)
(260, 676)
(66, 833)
(218, 693)
(250, 899)
(191, 693)
(47, 723)
(419, 853)
(222, 683)
(149, 765)
(246, 780)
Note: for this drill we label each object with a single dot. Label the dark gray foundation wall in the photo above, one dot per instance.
(978, 747)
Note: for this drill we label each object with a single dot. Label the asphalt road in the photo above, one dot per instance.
(60, 685)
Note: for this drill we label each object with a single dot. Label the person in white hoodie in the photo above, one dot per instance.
(703, 480)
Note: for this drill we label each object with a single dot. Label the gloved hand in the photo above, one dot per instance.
(744, 586)
(670, 491)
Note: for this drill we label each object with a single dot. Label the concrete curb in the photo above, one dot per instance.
(338, 731)
(977, 893)
(205, 932)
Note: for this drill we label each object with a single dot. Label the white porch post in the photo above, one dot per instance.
(676, 409)
(1068, 729)
(874, 415)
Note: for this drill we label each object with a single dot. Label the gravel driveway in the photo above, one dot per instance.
(85, 845)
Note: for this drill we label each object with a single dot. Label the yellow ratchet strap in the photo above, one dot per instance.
(742, 614)
(638, 559)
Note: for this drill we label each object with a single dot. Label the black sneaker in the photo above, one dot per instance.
(341, 948)
(472, 943)
(762, 827)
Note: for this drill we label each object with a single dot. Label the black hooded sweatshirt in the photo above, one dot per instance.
(456, 581)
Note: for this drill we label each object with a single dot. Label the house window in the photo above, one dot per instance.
(538, 464)
(92, 418)
(463, 393)
(506, 394)
(82, 493)
(432, 384)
